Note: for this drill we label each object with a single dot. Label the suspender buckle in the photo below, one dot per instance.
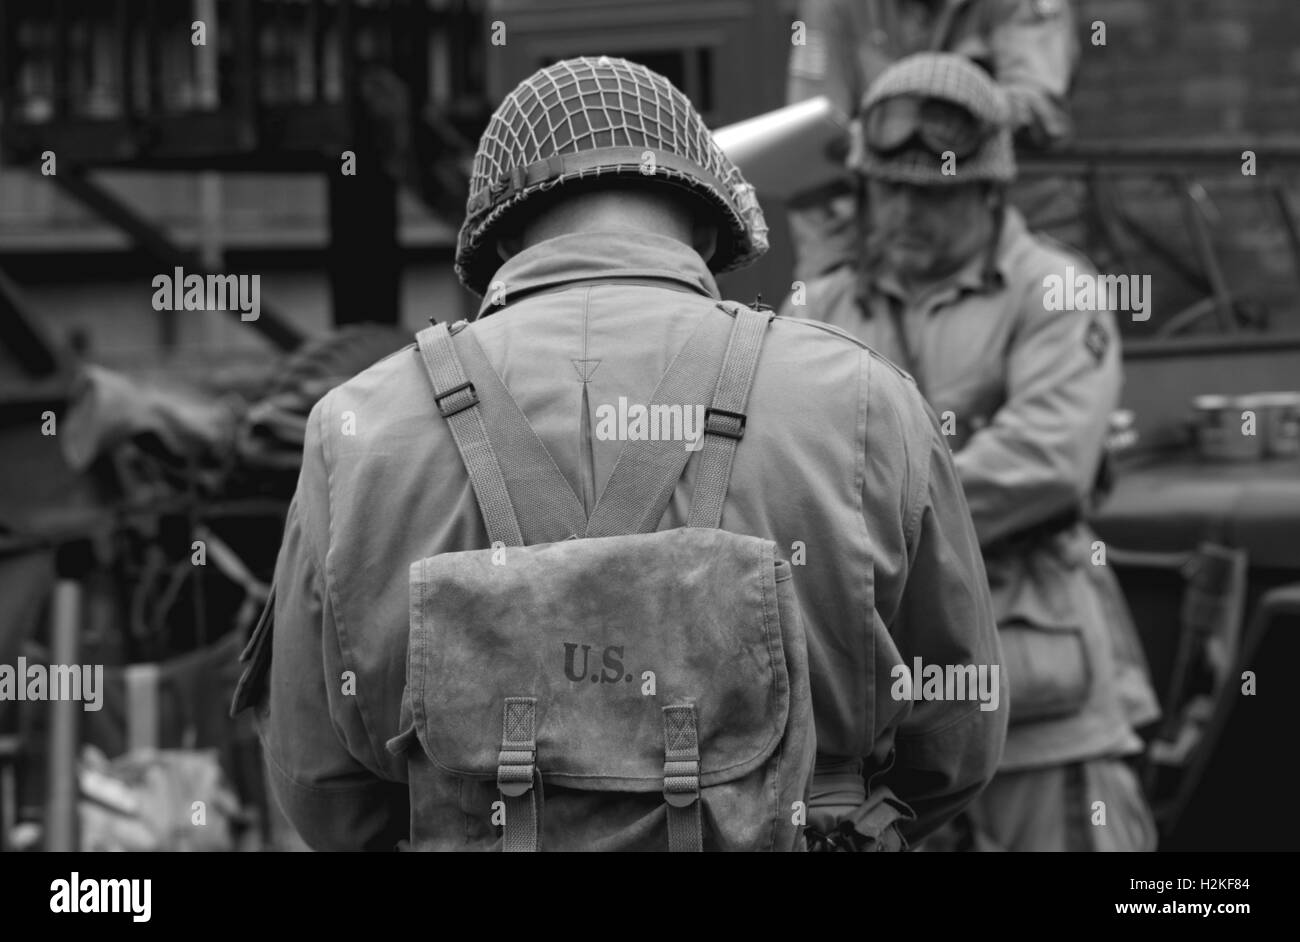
(724, 423)
(447, 411)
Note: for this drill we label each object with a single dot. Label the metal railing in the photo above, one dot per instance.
(113, 82)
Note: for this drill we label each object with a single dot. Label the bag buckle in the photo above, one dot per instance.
(681, 782)
(448, 411)
(724, 423)
(515, 772)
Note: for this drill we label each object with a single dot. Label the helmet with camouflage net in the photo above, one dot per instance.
(581, 119)
(950, 90)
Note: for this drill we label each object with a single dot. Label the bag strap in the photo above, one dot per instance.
(509, 466)
(518, 780)
(682, 779)
(548, 508)
(719, 355)
(457, 402)
(724, 422)
(646, 472)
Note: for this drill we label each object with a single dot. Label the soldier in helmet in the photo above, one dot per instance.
(600, 211)
(1028, 46)
(957, 297)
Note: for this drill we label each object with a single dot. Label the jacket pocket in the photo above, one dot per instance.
(1044, 649)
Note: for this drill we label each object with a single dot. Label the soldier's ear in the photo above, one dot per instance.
(704, 239)
(507, 246)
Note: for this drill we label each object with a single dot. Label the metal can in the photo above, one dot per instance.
(1121, 433)
(1279, 423)
(1220, 435)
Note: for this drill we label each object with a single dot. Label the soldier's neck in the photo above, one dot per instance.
(606, 210)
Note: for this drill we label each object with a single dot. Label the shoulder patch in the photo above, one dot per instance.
(1097, 339)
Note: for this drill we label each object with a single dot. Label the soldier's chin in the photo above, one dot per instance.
(910, 257)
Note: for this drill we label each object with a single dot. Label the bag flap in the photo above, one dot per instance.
(604, 634)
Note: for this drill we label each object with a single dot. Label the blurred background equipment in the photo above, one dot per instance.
(292, 88)
(165, 551)
(229, 156)
(155, 801)
(789, 152)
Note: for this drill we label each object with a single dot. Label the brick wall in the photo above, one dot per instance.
(1178, 68)
(1209, 70)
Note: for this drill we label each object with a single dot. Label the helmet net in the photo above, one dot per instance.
(579, 109)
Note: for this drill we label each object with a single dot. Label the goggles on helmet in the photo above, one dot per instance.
(901, 123)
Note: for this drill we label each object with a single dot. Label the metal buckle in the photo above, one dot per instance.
(712, 428)
(515, 772)
(447, 413)
(681, 782)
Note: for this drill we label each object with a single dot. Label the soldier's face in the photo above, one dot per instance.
(927, 231)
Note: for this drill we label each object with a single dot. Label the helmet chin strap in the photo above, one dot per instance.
(998, 207)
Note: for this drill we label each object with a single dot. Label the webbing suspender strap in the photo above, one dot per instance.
(509, 467)
(547, 508)
(654, 467)
(517, 777)
(682, 779)
(724, 422)
(457, 402)
(647, 471)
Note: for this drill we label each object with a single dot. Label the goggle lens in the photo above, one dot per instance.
(936, 125)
